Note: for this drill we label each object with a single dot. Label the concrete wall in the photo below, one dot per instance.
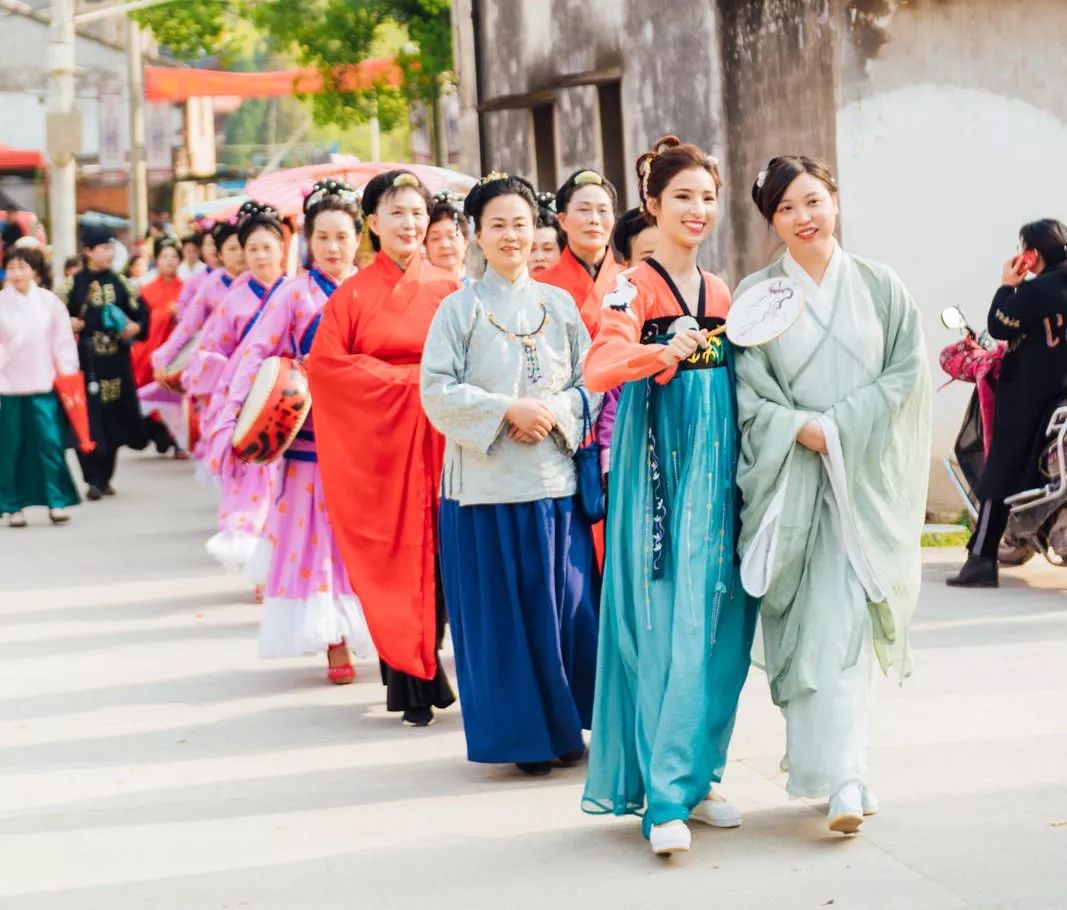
(952, 133)
(24, 82)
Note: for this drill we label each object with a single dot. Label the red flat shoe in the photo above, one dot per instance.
(342, 674)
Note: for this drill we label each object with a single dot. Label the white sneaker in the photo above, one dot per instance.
(846, 809)
(716, 811)
(869, 801)
(670, 837)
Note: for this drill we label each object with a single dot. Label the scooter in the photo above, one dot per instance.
(1038, 518)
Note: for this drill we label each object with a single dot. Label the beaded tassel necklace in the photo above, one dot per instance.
(528, 341)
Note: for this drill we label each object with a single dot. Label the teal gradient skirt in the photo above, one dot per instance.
(33, 465)
(676, 626)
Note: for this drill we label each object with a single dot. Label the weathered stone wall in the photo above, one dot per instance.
(781, 64)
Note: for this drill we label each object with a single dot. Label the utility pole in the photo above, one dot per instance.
(138, 164)
(64, 132)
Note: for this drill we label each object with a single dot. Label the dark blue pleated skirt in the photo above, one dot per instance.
(522, 593)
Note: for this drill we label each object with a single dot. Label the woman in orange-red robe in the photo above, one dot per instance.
(587, 270)
(379, 456)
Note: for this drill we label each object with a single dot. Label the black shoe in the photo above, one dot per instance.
(535, 768)
(977, 572)
(94, 494)
(418, 717)
(570, 759)
(109, 490)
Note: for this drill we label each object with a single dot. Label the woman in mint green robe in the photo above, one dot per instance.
(831, 524)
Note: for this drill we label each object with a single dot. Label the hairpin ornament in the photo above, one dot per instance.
(405, 179)
(491, 176)
(588, 178)
(761, 178)
(645, 168)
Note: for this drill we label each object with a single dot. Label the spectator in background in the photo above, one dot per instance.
(191, 262)
(107, 316)
(36, 346)
(549, 239)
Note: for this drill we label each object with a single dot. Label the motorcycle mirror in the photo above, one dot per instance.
(952, 318)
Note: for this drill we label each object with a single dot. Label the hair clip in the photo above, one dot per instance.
(588, 178)
(761, 178)
(491, 176)
(405, 179)
(29, 242)
(711, 161)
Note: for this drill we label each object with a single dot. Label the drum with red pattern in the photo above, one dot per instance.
(274, 412)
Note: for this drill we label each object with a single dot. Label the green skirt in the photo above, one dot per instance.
(33, 465)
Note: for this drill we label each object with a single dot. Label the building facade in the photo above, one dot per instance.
(946, 135)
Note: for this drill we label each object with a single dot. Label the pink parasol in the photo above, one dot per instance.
(284, 190)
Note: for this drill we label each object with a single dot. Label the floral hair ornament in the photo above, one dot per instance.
(761, 178)
(547, 201)
(325, 188)
(491, 176)
(29, 242)
(405, 179)
(644, 168)
(588, 178)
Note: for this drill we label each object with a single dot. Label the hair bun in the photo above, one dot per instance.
(546, 200)
(670, 141)
(326, 188)
(254, 210)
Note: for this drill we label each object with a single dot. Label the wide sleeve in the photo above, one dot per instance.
(380, 462)
(468, 415)
(208, 362)
(64, 350)
(190, 321)
(617, 355)
(567, 407)
(269, 336)
(137, 309)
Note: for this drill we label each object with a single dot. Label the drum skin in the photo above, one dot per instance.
(274, 412)
(172, 373)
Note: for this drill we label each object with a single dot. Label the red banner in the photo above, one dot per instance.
(164, 83)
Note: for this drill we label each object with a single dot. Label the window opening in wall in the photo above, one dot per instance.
(609, 99)
(544, 130)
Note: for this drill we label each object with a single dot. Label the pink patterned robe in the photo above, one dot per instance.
(309, 603)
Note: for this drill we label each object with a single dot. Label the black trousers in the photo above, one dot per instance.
(99, 467)
(992, 521)
(403, 691)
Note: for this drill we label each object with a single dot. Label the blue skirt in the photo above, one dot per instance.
(521, 590)
(676, 626)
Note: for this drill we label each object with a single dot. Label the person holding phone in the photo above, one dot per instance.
(1031, 316)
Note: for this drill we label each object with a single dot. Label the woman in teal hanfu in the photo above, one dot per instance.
(676, 627)
(835, 455)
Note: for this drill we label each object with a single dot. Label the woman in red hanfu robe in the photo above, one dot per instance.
(587, 270)
(379, 456)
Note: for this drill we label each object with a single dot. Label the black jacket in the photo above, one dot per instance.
(1032, 318)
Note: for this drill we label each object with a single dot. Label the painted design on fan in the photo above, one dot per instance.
(770, 310)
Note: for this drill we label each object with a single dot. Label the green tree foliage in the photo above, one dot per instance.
(190, 30)
(327, 35)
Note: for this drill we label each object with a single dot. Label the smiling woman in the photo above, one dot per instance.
(837, 408)
(675, 626)
(502, 380)
(379, 458)
(585, 204)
